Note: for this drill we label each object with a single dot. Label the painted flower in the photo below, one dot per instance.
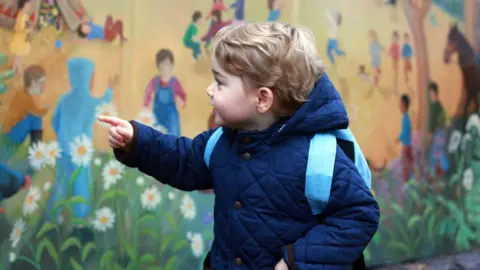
(104, 219)
(197, 245)
(467, 180)
(454, 141)
(47, 186)
(106, 109)
(467, 138)
(140, 181)
(111, 173)
(150, 198)
(81, 150)
(36, 155)
(97, 161)
(31, 200)
(161, 128)
(473, 122)
(12, 257)
(52, 152)
(16, 234)
(146, 117)
(187, 207)
(171, 195)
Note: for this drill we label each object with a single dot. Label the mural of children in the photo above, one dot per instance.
(405, 137)
(239, 7)
(407, 54)
(190, 39)
(163, 90)
(24, 118)
(20, 43)
(376, 50)
(74, 116)
(218, 24)
(334, 19)
(395, 54)
(217, 5)
(109, 32)
(275, 7)
(437, 122)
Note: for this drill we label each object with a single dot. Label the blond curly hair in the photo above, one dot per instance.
(276, 55)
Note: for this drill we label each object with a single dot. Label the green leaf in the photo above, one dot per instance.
(131, 252)
(179, 245)
(75, 265)
(412, 221)
(47, 226)
(171, 263)
(366, 254)
(71, 241)
(106, 259)
(46, 244)
(172, 221)
(146, 217)
(166, 241)
(79, 222)
(87, 248)
(110, 195)
(147, 259)
(158, 267)
(397, 209)
(59, 204)
(401, 247)
(150, 232)
(74, 176)
(78, 199)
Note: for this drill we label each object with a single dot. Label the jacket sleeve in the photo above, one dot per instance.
(172, 160)
(346, 226)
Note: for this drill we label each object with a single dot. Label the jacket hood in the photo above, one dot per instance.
(80, 71)
(324, 111)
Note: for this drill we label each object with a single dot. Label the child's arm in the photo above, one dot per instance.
(172, 160)
(179, 91)
(403, 133)
(149, 90)
(346, 226)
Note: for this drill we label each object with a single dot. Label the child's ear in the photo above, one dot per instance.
(264, 99)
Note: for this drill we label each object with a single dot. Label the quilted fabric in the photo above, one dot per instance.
(259, 181)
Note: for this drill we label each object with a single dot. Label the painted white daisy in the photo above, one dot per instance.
(171, 195)
(473, 122)
(140, 181)
(31, 200)
(111, 173)
(12, 257)
(81, 150)
(454, 141)
(151, 198)
(47, 186)
(36, 155)
(104, 219)
(146, 117)
(197, 245)
(16, 234)
(97, 161)
(161, 128)
(52, 152)
(106, 109)
(467, 138)
(468, 177)
(187, 207)
(189, 235)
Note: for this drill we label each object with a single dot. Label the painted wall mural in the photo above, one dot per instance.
(408, 71)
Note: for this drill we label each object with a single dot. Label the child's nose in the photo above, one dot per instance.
(210, 91)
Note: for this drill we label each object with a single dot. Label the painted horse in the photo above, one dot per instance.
(457, 43)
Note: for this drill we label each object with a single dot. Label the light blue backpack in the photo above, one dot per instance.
(320, 165)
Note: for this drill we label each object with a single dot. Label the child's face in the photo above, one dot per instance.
(406, 37)
(86, 29)
(165, 68)
(27, 7)
(234, 105)
(433, 95)
(403, 108)
(38, 86)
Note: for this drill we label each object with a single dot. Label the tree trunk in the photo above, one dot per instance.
(470, 20)
(415, 17)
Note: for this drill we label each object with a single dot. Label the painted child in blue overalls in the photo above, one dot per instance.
(163, 90)
(24, 118)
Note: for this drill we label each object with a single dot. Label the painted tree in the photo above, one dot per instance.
(415, 12)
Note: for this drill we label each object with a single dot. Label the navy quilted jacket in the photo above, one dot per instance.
(259, 179)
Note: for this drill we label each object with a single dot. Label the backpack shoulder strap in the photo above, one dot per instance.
(212, 141)
(321, 164)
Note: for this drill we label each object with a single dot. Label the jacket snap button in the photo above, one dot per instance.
(246, 156)
(237, 261)
(237, 205)
(247, 140)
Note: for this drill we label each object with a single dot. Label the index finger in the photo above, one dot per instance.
(111, 120)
